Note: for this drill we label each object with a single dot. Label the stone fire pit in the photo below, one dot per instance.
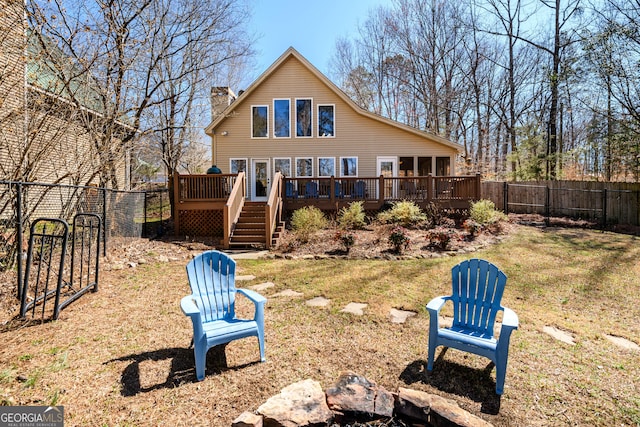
(355, 401)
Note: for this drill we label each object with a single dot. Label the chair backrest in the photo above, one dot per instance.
(477, 286)
(212, 276)
(289, 189)
(359, 189)
(311, 189)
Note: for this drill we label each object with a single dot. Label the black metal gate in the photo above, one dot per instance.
(47, 273)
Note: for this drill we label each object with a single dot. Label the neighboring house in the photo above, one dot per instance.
(294, 120)
(42, 137)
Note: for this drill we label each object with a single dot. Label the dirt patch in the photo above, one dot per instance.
(373, 242)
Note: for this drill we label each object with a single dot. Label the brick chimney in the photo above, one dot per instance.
(221, 98)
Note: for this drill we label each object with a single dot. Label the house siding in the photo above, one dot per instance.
(356, 135)
(12, 87)
(58, 149)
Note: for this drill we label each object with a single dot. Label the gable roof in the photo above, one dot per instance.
(291, 52)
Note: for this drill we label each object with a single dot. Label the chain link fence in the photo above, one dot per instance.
(124, 214)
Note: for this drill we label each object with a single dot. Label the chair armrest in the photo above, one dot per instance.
(435, 305)
(509, 319)
(255, 297)
(258, 301)
(189, 307)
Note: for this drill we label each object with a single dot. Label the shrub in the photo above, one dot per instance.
(484, 212)
(434, 214)
(347, 240)
(352, 217)
(440, 237)
(405, 213)
(472, 227)
(399, 239)
(306, 221)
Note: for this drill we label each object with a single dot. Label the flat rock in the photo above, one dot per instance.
(400, 316)
(245, 278)
(560, 335)
(354, 308)
(318, 302)
(299, 404)
(353, 393)
(262, 286)
(623, 342)
(423, 406)
(288, 293)
(248, 419)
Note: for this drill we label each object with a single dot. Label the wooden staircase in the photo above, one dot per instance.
(250, 230)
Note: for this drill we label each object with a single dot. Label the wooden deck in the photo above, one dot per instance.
(210, 205)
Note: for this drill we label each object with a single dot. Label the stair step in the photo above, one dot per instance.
(248, 232)
(249, 224)
(248, 239)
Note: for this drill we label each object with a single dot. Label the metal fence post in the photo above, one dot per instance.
(145, 225)
(505, 197)
(19, 234)
(105, 222)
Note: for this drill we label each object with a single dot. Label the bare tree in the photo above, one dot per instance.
(132, 60)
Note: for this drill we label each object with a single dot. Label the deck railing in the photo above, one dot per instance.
(233, 207)
(273, 211)
(451, 191)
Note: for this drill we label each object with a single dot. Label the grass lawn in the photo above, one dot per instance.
(121, 357)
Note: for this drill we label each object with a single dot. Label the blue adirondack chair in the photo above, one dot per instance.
(311, 190)
(211, 306)
(477, 290)
(290, 191)
(338, 189)
(359, 189)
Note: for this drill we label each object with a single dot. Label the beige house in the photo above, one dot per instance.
(294, 120)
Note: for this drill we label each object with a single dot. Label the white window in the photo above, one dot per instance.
(282, 165)
(326, 121)
(326, 166)
(304, 118)
(238, 165)
(348, 166)
(259, 121)
(281, 118)
(304, 166)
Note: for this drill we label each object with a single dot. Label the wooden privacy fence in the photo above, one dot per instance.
(605, 202)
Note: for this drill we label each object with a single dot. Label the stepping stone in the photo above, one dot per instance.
(245, 278)
(288, 293)
(400, 316)
(354, 308)
(262, 286)
(623, 342)
(318, 302)
(556, 333)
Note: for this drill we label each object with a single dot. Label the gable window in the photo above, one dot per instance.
(348, 166)
(259, 121)
(238, 165)
(303, 118)
(326, 166)
(281, 118)
(282, 165)
(304, 166)
(326, 121)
